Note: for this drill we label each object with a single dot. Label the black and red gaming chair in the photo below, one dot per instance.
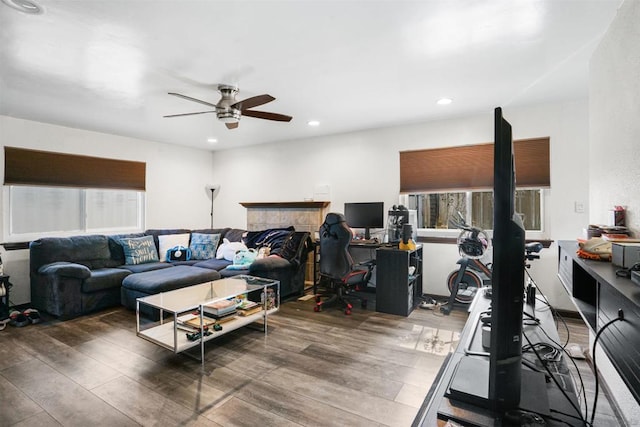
(338, 277)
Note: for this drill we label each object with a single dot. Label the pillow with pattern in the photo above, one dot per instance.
(204, 246)
(139, 250)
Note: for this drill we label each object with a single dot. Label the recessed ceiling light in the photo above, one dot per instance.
(313, 123)
(444, 101)
(212, 140)
(26, 6)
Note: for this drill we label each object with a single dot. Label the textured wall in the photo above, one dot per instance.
(614, 147)
(614, 119)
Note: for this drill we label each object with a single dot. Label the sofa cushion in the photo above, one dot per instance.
(153, 282)
(150, 266)
(104, 278)
(139, 250)
(228, 272)
(204, 246)
(213, 264)
(91, 251)
(234, 234)
(168, 241)
(117, 253)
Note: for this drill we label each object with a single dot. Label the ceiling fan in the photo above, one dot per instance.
(229, 110)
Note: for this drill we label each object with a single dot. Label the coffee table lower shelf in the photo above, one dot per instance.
(166, 334)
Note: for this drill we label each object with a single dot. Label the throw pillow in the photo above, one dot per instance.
(139, 250)
(168, 241)
(203, 246)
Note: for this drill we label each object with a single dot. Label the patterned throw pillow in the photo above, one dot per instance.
(203, 246)
(139, 250)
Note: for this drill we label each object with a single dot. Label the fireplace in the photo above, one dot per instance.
(304, 216)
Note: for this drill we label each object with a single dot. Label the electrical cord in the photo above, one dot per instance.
(593, 354)
(555, 380)
(555, 313)
(582, 387)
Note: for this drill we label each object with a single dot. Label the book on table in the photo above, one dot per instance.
(219, 308)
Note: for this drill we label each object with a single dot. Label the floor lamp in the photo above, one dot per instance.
(210, 190)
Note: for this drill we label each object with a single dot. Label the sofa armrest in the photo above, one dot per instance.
(270, 263)
(66, 269)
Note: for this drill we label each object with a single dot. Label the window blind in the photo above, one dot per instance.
(44, 168)
(470, 167)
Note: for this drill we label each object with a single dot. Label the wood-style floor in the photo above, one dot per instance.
(312, 369)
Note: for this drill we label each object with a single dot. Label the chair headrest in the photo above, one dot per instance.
(333, 218)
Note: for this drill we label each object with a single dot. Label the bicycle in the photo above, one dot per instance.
(473, 274)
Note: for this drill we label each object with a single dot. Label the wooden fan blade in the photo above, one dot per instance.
(188, 114)
(232, 125)
(254, 101)
(267, 115)
(188, 98)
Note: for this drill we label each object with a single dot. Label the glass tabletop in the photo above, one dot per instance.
(192, 296)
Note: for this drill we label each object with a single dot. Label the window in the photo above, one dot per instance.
(34, 211)
(63, 194)
(437, 210)
(441, 182)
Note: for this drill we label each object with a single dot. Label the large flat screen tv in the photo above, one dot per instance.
(497, 384)
(508, 275)
(365, 215)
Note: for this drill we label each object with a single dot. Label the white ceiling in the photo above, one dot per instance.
(107, 65)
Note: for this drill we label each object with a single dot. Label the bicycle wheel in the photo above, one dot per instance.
(467, 287)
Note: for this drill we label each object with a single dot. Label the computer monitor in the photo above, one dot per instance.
(365, 215)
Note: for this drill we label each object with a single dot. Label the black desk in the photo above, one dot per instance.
(436, 401)
(397, 290)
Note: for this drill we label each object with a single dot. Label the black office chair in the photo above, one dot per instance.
(338, 277)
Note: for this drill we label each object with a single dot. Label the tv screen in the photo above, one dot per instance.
(365, 215)
(507, 276)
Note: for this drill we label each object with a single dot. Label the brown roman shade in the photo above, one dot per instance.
(33, 167)
(470, 167)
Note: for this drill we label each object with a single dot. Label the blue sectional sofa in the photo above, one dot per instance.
(71, 276)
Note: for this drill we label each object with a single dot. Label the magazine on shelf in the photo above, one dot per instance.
(250, 311)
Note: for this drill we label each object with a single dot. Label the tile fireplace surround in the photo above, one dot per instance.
(304, 216)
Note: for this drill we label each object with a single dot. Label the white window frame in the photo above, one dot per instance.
(9, 236)
(542, 234)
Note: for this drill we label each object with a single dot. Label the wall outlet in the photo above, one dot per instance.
(578, 207)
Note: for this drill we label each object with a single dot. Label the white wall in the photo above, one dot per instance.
(614, 146)
(614, 125)
(364, 166)
(176, 178)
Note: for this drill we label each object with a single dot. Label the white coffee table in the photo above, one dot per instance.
(161, 318)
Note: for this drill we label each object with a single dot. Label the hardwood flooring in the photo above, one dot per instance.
(312, 369)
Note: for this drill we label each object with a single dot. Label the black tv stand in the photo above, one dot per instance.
(467, 403)
(470, 384)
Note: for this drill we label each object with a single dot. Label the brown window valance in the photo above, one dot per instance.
(33, 167)
(470, 167)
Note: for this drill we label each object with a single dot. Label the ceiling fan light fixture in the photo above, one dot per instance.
(229, 116)
(313, 123)
(25, 6)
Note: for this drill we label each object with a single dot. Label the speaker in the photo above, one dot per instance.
(625, 254)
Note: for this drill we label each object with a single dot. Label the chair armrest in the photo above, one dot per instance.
(67, 269)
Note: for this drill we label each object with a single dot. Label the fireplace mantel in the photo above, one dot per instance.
(307, 204)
